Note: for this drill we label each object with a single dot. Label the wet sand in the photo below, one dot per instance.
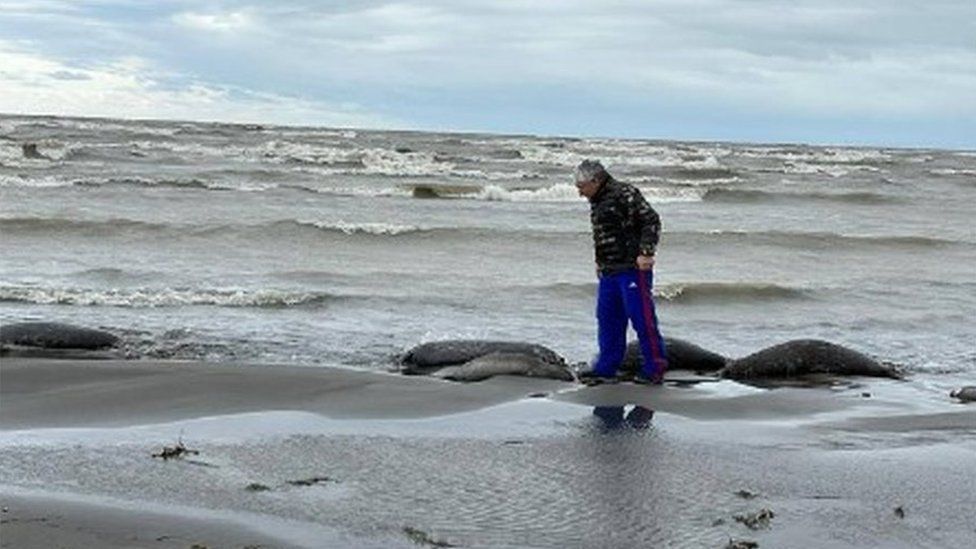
(301, 457)
(39, 521)
(72, 393)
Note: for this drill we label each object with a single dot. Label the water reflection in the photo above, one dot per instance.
(613, 417)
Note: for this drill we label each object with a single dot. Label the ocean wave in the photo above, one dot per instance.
(385, 229)
(684, 293)
(21, 180)
(559, 192)
(828, 155)
(755, 195)
(178, 183)
(133, 181)
(727, 292)
(162, 297)
(188, 183)
(813, 239)
(44, 153)
(556, 193)
(493, 193)
(286, 228)
(21, 225)
(968, 172)
(332, 158)
(622, 153)
(833, 170)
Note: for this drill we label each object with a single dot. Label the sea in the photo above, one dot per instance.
(246, 243)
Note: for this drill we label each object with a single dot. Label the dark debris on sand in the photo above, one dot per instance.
(757, 520)
(423, 538)
(175, 452)
(311, 481)
(741, 544)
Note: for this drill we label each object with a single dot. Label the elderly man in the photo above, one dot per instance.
(626, 230)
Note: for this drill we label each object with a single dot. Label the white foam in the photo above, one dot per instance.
(54, 152)
(366, 192)
(561, 192)
(36, 182)
(953, 171)
(156, 297)
(826, 155)
(366, 228)
(673, 194)
(803, 168)
(495, 176)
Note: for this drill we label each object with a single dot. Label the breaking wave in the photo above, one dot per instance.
(813, 239)
(686, 293)
(727, 292)
(348, 228)
(162, 297)
(755, 195)
(954, 172)
(560, 192)
(828, 155)
(19, 225)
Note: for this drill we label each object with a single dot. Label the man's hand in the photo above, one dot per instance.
(645, 262)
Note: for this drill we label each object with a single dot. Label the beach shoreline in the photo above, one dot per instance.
(364, 457)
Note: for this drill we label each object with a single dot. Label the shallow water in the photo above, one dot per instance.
(528, 474)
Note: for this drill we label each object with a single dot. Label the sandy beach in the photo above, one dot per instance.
(329, 457)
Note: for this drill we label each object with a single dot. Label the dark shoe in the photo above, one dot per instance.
(642, 379)
(589, 377)
(623, 375)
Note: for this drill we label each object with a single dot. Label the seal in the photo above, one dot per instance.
(506, 363)
(429, 357)
(681, 354)
(806, 356)
(54, 335)
(965, 394)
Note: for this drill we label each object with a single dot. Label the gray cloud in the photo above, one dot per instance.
(801, 58)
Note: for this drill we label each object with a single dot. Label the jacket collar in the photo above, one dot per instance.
(602, 191)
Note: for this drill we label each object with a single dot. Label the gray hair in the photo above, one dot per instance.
(588, 170)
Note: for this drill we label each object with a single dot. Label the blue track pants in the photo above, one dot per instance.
(622, 296)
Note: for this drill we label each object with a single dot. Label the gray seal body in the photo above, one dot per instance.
(54, 335)
(429, 357)
(807, 356)
(681, 354)
(965, 394)
(506, 363)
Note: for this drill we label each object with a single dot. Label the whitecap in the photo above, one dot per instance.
(158, 297)
(365, 228)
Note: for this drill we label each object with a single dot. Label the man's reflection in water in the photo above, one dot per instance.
(612, 417)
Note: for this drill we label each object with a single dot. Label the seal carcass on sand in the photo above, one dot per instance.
(505, 363)
(54, 335)
(681, 354)
(429, 357)
(965, 394)
(806, 356)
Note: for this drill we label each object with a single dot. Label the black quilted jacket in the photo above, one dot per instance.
(624, 226)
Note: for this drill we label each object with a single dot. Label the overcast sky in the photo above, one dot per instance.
(889, 72)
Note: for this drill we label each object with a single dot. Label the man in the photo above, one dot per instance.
(626, 230)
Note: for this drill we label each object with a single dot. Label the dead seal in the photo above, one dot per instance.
(54, 336)
(682, 355)
(965, 394)
(501, 363)
(806, 356)
(429, 357)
